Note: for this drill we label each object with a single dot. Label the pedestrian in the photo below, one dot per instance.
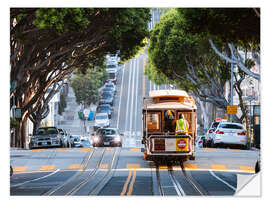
(181, 125)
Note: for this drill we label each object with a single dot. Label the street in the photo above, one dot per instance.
(123, 171)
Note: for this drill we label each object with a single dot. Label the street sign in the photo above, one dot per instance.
(232, 109)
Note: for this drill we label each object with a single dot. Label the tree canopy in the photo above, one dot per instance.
(48, 44)
(86, 86)
(231, 25)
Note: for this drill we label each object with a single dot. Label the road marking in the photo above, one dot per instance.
(234, 150)
(132, 95)
(247, 169)
(128, 93)
(102, 166)
(126, 183)
(38, 150)
(143, 85)
(20, 168)
(135, 149)
(132, 183)
(118, 118)
(133, 166)
(35, 179)
(62, 149)
(47, 167)
(76, 166)
(136, 93)
(218, 167)
(223, 181)
(163, 167)
(191, 166)
(209, 149)
(85, 149)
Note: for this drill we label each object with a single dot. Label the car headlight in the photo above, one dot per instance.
(96, 139)
(117, 139)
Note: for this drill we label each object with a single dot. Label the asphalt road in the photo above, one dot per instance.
(122, 171)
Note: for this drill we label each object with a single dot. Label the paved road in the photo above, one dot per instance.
(122, 171)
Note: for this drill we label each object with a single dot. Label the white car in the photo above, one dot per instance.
(210, 132)
(101, 121)
(228, 133)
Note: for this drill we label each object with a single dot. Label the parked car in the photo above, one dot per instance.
(105, 108)
(112, 74)
(106, 137)
(45, 137)
(108, 90)
(101, 121)
(76, 141)
(209, 133)
(66, 139)
(200, 141)
(106, 98)
(228, 133)
(111, 85)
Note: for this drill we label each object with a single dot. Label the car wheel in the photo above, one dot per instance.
(11, 171)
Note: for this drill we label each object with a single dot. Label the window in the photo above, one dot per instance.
(153, 121)
(230, 126)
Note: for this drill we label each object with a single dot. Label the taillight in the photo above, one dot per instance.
(210, 131)
(219, 132)
(241, 133)
(200, 142)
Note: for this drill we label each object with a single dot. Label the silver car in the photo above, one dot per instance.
(106, 137)
(228, 133)
(101, 121)
(76, 141)
(47, 137)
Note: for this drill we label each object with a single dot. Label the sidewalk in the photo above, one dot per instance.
(71, 122)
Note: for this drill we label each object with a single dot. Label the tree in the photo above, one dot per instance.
(86, 86)
(238, 28)
(43, 39)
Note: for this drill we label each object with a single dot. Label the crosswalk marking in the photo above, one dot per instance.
(218, 167)
(247, 169)
(20, 168)
(191, 166)
(47, 167)
(133, 166)
(75, 166)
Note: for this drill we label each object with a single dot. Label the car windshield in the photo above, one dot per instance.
(230, 126)
(46, 131)
(106, 95)
(106, 132)
(101, 117)
(111, 66)
(109, 85)
(103, 108)
(215, 124)
(112, 75)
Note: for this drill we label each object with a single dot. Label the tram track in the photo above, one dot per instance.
(77, 175)
(177, 183)
(90, 175)
(102, 182)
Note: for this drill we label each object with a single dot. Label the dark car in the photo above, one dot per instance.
(106, 98)
(109, 90)
(106, 137)
(105, 108)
